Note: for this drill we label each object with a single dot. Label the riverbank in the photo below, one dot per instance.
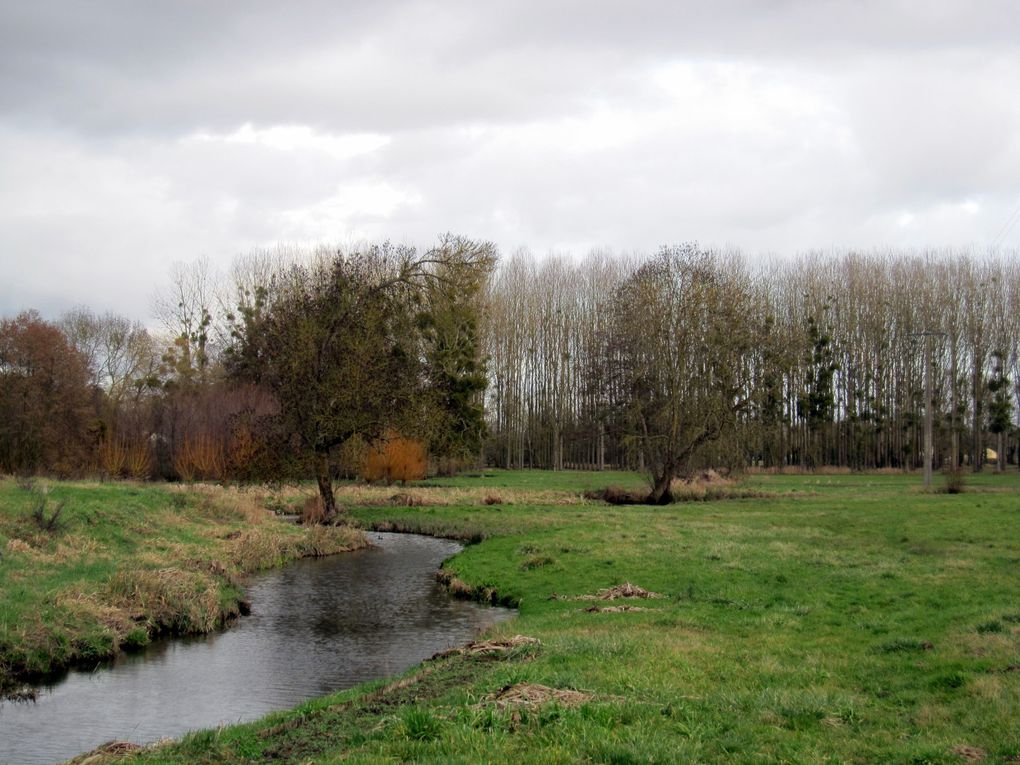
(846, 618)
(91, 569)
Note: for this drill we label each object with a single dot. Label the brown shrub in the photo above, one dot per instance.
(954, 481)
(492, 498)
(199, 457)
(242, 450)
(395, 458)
(113, 456)
(312, 511)
(139, 460)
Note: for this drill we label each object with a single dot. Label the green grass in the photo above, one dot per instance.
(576, 481)
(127, 562)
(844, 618)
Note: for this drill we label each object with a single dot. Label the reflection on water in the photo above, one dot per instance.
(317, 626)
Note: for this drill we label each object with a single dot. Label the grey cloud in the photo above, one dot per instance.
(774, 125)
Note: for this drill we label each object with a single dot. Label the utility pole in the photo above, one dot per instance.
(928, 419)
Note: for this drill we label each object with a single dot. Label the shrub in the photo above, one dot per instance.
(46, 522)
(954, 481)
(199, 457)
(139, 460)
(113, 453)
(395, 458)
(491, 498)
(242, 450)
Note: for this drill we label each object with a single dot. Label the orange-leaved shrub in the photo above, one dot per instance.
(199, 457)
(395, 458)
(113, 454)
(138, 462)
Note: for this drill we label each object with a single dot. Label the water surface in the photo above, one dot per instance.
(317, 626)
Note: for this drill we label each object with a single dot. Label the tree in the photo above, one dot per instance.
(186, 313)
(45, 402)
(338, 341)
(816, 404)
(119, 353)
(681, 340)
(454, 367)
(1000, 406)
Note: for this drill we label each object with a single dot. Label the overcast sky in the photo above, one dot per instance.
(134, 134)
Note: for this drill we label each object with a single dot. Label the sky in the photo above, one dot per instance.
(134, 135)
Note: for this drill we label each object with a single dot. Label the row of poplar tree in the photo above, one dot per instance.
(836, 376)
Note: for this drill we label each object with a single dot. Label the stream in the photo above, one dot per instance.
(317, 626)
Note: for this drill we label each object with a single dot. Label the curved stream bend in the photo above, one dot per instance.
(318, 626)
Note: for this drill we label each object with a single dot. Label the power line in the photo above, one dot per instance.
(1010, 222)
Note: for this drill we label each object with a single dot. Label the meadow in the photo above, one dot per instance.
(821, 618)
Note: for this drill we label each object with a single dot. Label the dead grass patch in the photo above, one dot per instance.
(532, 694)
(493, 647)
(111, 751)
(169, 599)
(364, 495)
(612, 609)
(19, 546)
(625, 590)
(91, 606)
(969, 753)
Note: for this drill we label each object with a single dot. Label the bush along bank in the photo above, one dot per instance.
(90, 569)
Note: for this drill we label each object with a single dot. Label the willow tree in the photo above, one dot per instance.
(339, 342)
(681, 342)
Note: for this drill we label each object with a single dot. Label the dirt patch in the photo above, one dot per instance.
(612, 609)
(969, 753)
(531, 694)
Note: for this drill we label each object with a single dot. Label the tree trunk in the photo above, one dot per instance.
(325, 480)
(661, 492)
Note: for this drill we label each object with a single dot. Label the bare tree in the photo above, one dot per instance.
(681, 343)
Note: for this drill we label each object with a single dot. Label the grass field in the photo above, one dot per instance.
(125, 562)
(842, 618)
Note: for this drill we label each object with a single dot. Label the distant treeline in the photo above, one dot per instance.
(593, 362)
(838, 377)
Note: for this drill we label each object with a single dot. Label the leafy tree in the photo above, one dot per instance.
(816, 404)
(455, 370)
(339, 342)
(1000, 407)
